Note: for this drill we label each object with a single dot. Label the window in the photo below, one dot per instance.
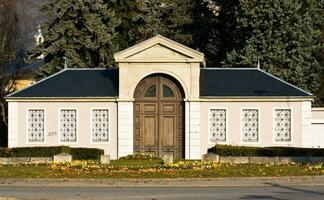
(100, 125)
(250, 125)
(217, 125)
(151, 92)
(282, 125)
(68, 126)
(36, 130)
(167, 92)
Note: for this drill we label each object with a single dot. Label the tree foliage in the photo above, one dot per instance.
(282, 34)
(78, 33)
(9, 46)
(319, 54)
(166, 17)
(204, 29)
(125, 11)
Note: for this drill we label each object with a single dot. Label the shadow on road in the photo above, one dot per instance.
(294, 189)
(261, 197)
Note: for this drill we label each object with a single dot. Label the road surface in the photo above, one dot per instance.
(250, 189)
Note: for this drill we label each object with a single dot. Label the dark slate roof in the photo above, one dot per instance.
(75, 83)
(244, 82)
(214, 82)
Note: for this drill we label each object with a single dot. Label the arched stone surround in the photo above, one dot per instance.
(159, 55)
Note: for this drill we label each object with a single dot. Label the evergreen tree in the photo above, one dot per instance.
(319, 54)
(125, 11)
(226, 36)
(204, 29)
(78, 33)
(282, 34)
(166, 17)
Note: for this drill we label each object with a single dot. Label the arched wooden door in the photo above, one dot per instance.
(159, 116)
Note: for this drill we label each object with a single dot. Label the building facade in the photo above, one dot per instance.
(162, 98)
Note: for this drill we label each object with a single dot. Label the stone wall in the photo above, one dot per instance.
(25, 160)
(262, 159)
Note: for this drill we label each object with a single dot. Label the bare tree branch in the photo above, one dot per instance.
(9, 64)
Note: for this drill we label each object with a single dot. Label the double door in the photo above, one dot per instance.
(158, 117)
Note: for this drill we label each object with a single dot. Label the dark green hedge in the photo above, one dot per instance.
(77, 153)
(86, 153)
(227, 150)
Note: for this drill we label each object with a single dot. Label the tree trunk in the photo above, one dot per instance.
(3, 114)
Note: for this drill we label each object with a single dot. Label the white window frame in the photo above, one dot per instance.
(273, 125)
(109, 124)
(45, 138)
(77, 124)
(226, 126)
(259, 126)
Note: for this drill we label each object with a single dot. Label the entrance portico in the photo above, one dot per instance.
(159, 55)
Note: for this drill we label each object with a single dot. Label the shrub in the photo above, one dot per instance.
(86, 153)
(139, 156)
(227, 150)
(77, 153)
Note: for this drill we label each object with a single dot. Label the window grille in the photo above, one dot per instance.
(100, 125)
(36, 131)
(68, 125)
(217, 125)
(250, 125)
(282, 125)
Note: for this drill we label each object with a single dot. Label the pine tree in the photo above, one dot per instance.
(125, 11)
(282, 34)
(319, 54)
(204, 29)
(165, 17)
(77, 34)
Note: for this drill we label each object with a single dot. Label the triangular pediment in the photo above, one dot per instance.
(159, 49)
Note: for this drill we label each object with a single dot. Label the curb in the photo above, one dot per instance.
(176, 182)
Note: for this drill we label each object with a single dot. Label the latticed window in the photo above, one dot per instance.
(100, 125)
(68, 125)
(250, 125)
(282, 125)
(217, 125)
(36, 132)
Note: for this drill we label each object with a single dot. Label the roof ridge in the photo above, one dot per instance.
(231, 68)
(88, 68)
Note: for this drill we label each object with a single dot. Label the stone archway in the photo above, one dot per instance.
(159, 116)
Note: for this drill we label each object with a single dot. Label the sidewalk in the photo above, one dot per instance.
(186, 182)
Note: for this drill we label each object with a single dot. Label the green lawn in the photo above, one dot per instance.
(136, 163)
(155, 169)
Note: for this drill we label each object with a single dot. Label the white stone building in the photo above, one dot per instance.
(162, 98)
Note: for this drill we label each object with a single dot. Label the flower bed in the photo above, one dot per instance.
(155, 169)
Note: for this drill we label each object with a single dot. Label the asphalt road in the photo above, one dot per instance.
(270, 191)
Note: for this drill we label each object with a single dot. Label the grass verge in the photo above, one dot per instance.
(155, 169)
